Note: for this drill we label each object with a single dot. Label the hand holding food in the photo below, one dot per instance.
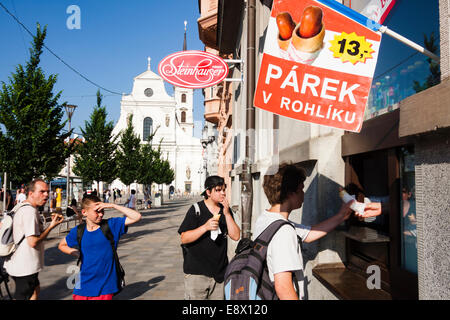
(56, 219)
(212, 224)
(356, 206)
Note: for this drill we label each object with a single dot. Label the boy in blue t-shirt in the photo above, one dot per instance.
(98, 278)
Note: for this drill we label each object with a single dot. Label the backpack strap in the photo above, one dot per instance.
(197, 209)
(80, 231)
(13, 213)
(104, 226)
(266, 236)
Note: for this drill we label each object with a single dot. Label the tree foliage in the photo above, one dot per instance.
(128, 155)
(149, 157)
(32, 144)
(95, 158)
(164, 173)
(435, 74)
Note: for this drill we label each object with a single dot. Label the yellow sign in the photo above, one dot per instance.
(351, 47)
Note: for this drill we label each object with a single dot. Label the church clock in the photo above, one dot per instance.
(148, 92)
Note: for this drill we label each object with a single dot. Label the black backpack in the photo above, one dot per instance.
(104, 226)
(247, 275)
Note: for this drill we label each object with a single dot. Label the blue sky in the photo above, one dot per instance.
(110, 49)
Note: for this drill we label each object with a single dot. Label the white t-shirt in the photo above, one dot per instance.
(21, 197)
(284, 252)
(26, 260)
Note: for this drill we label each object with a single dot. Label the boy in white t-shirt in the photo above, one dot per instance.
(284, 190)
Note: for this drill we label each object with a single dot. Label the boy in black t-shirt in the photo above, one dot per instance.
(204, 241)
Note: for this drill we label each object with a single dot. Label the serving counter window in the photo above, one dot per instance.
(388, 241)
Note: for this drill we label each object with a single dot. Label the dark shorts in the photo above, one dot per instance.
(25, 286)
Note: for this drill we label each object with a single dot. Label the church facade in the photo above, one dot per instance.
(172, 118)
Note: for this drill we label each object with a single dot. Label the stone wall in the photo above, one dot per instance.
(433, 215)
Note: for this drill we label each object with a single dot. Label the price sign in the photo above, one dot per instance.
(318, 62)
(351, 47)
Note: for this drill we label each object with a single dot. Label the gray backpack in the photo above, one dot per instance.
(7, 244)
(247, 275)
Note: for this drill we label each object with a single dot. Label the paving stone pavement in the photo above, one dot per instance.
(150, 253)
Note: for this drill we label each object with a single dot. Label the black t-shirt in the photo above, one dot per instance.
(205, 256)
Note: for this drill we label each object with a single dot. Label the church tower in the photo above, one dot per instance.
(185, 102)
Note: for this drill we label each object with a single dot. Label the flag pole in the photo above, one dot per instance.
(395, 35)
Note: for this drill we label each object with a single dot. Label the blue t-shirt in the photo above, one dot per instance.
(98, 271)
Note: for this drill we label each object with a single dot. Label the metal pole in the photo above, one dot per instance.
(246, 176)
(68, 170)
(415, 46)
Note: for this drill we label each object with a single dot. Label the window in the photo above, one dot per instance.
(148, 128)
(183, 98)
(408, 211)
(183, 116)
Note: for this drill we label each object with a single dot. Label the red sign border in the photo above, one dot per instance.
(200, 53)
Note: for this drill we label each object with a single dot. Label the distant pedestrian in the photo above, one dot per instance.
(20, 197)
(114, 195)
(9, 204)
(98, 275)
(204, 233)
(119, 194)
(28, 260)
(131, 202)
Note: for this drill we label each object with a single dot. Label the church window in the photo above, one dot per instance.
(183, 98)
(183, 116)
(148, 128)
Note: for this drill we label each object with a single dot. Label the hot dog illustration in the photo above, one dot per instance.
(306, 41)
(309, 33)
(286, 27)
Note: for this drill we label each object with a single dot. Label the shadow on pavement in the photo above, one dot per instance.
(56, 291)
(53, 257)
(135, 290)
(138, 234)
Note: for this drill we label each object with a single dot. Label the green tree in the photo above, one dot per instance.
(128, 155)
(435, 74)
(148, 164)
(95, 158)
(163, 173)
(32, 144)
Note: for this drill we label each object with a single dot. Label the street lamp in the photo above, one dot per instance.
(70, 109)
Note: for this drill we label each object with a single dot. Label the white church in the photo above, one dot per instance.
(172, 116)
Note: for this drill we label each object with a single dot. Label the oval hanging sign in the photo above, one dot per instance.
(193, 69)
